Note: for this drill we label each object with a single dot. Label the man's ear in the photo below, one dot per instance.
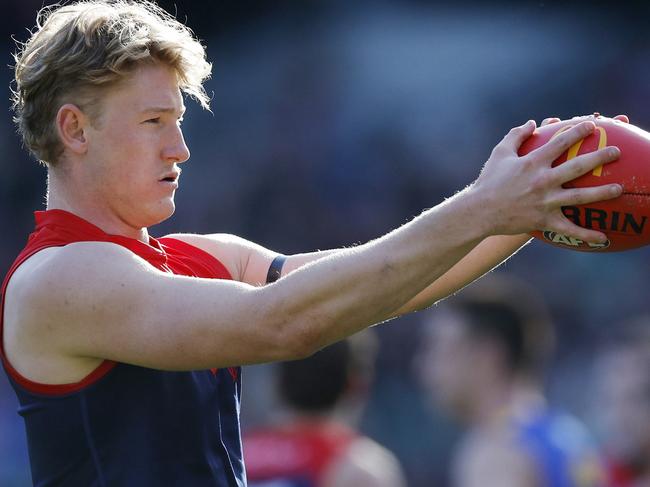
(71, 125)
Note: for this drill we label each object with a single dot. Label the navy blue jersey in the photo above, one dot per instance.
(129, 426)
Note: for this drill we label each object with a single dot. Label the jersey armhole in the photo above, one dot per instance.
(210, 261)
(36, 387)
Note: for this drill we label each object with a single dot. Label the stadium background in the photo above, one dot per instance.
(335, 121)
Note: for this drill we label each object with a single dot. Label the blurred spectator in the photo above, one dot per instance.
(482, 359)
(623, 402)
(312, 446)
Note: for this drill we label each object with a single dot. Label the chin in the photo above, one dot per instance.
(160, 213)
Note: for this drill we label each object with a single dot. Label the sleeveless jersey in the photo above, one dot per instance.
(562, 450)
(123, 425)
(297, 455)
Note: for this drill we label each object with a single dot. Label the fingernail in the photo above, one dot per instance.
(616, 189)
(601, 239)
(614, 151)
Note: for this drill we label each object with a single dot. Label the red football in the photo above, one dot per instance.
(624, 219)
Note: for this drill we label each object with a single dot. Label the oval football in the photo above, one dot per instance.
(625, 220)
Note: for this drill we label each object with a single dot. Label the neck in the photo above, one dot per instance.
(490, 402)
(60, 197)
(497, 401)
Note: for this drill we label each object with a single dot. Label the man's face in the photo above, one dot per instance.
(448, 360)
(134, 148)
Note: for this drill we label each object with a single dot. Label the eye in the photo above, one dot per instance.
(153, 120)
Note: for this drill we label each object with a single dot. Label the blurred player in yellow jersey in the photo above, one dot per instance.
(481, 358)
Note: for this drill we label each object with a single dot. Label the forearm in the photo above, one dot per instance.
(347, 291)
(135, 310)
(487, 255)
(351, 289)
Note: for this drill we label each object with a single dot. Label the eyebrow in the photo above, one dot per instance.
(162, 110)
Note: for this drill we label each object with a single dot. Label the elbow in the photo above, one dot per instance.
(297, 340)
(298, 329)
(301, 343)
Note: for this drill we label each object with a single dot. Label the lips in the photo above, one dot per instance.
(170, 177)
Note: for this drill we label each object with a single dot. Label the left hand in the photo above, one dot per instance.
(620, 118)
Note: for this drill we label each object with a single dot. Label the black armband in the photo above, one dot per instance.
(275, 269)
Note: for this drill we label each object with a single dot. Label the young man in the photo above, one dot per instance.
(313, 444)
(122, 348)
(482, 360)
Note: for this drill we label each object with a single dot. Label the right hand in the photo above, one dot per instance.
(525, 193)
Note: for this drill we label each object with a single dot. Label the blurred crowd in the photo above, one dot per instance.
(333, 122)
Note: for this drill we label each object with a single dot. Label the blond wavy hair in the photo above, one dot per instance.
(78, 50)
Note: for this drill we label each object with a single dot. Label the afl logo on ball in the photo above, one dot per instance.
(572, 242)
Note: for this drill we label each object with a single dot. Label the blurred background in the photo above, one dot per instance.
(335, 121)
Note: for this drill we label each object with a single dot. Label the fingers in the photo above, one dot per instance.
(549, 120)
(591, 116)
(583, 164)
(563, 225)
(580, 118)
(583, 196)
(513, 140)
(580, 196)
(555, 147)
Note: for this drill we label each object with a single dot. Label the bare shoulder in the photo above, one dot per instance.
(494, 459)
(245, 260)
(56, 270)
(44, 297)
(70, 308)
(367, 463)
(56, 278)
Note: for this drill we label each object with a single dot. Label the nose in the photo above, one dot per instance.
(176, 149)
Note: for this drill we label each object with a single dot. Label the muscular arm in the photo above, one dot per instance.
(249, 262)
(487, 255)
(101, 301)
